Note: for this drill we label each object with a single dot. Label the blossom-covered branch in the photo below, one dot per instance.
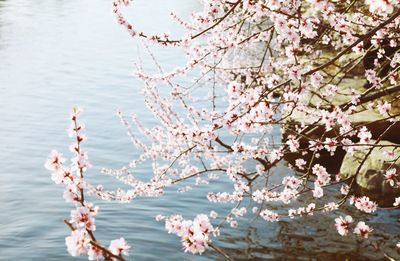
(283, 82)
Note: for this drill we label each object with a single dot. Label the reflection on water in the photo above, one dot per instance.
(315, 238)
(57, 54)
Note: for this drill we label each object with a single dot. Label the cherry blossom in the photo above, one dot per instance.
(380, 6)
(213, 214)
(362, 229)
(54, 161)
(323, 177)
(300, 163)
(119, 246)
(384, 108)
(82, 217)
(364, 135)
(391, 176)
(365, 204)
(342, 224)
(331, 206)
(233, 224)
(77, 242)
(345, 189)
(269, 215)
(194, 233)
(82, 223)
(94, 253)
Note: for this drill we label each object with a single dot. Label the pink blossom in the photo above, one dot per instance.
(342, 224)
(71, 193)
(263, 195)
(83, 218)
(213, 214)
(365, 204)
(362, 229)
(269, 215)
(316, 79)
(293, 144)
(292, 213)
(384, 108)
(315, 145)
(323, 177)
(234, 224)
(331, 206)
(318, 192)
(62, 176)
(391, 176)
(310, 208)
(81, 161)
(344, 189)
(348, 146)
(55, 161)
(300, 163)
(291, 182)
(364, 135)
(77, 242)
(173, 224)
(371, 77)
(119, 246)
(378, 6)
(194, 233)
(330, 145)
(234, 90)
(355, 98)
(202, 223)
(94, 253)
(239, 212)
(287, 195)
(73, 130)
(389, 154)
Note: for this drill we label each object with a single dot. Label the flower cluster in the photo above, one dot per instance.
(193, 233)
(343, 226)
(82, 223)
(269, 215)
(308, 210)
(364, 204)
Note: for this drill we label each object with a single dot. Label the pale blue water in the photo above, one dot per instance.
(57, 54)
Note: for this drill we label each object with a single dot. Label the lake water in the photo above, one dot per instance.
(55, 54)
